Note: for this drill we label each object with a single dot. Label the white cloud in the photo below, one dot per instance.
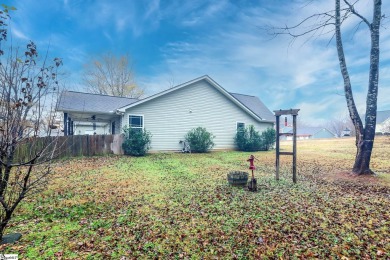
(19, 34)
(152, 9)
(242, 59)
(223, 39)
(316, 112)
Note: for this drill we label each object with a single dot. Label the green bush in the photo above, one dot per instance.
(200, 140)
(269, 138)
(137, 141)
(250, 140)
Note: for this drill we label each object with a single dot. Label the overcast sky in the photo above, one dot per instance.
(172, 42)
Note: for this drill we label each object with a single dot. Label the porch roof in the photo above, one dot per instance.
(72, 101)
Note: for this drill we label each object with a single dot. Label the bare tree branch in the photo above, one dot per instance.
(352, 10)
(26, 89)
(318, 23)
(111, 75)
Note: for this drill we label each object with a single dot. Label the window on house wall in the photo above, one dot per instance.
(136, 122)
(240, 126)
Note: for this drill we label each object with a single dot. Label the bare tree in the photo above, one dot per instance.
(26, 92)
(330, 22)
(338, 125)
(111, 75)
(171, 80)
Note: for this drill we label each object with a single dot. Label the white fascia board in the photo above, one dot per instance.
(209, 80)
(87, 112)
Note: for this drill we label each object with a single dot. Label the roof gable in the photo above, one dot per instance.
(382, 116)
(309, 131)
(87, 102)
(252, 105)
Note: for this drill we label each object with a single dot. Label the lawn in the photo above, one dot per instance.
(174, 206)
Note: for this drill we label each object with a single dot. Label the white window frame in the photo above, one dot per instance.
(239, 122)
(137, 127)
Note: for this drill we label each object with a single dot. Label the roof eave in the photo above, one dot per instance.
(86, 112)
(268, 121)
(209, 80)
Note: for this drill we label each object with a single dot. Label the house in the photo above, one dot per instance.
(346, 132)
(383, 122)
(309, 133)
(168, 115)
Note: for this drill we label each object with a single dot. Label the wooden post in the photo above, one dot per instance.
(88, 145)
(277, 147)
(295, 148)
(294, 113)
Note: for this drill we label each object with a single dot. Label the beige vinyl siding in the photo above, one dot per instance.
(170, 116)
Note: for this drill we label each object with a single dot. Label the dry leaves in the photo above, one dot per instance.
(180, 206)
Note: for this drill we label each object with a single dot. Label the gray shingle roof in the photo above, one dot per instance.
(382, 116)
(86, 102)
(255, 105)
(308, 130)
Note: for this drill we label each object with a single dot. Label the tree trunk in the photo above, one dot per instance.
(364, 136)
(4, 223)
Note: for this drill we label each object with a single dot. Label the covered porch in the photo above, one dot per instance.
(78, 123)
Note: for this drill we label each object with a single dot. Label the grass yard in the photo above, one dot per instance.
(174, 206)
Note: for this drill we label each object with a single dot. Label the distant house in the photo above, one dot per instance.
(168, 115)
(383, 122)
(346, 132)
(309, 133)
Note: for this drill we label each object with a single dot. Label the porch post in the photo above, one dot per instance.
(65, 123)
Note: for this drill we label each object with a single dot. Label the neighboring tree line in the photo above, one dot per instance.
(338, 125)
(111, 75)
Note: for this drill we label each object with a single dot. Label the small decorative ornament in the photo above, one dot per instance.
(252, 185)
